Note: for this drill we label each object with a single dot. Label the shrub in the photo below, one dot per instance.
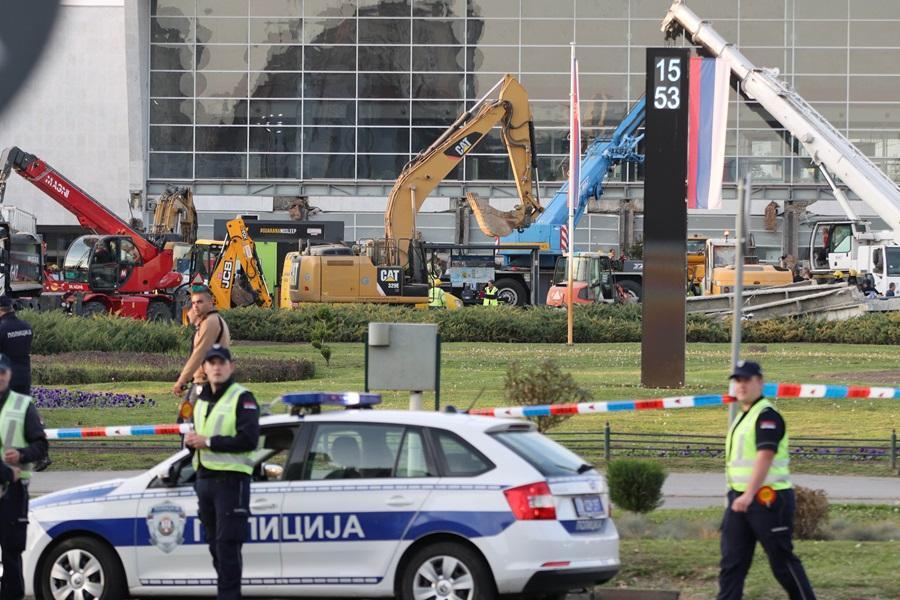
(55, 332)
(811, 515)
(635, 484)
(101, 367)
(542, 383)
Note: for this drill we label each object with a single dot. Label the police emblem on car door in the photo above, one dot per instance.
(165, 523)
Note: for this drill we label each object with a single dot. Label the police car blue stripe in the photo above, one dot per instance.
(318, 527)
(79, 495)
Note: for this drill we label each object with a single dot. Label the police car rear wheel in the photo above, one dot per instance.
(446, 571)
(81, 568)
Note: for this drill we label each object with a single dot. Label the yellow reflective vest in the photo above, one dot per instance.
(222, 420)
(740, 453)
(490, 296)
(12, 426)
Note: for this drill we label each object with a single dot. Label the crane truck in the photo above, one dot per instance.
(116, 269)
(849, 245)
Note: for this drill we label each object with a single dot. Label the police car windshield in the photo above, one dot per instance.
(542, 453)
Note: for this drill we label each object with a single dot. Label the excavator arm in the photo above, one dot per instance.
(238, 250)
(175, 215)
(428, 169)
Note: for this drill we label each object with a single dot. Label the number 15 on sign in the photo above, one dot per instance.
(667, 83)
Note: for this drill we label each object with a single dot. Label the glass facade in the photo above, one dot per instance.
(351, 89)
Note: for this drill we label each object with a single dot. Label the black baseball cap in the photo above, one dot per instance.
(746, 368)
(5, 364)
(217, 351)
(6, 302)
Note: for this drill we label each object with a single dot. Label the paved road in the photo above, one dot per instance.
(681, 490)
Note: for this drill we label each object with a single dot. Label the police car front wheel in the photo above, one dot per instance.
(81, 568)
(447, 571)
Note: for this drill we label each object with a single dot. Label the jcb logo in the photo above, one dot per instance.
(463, 146)
(227, 273)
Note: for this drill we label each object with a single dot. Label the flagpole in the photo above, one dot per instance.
(574, 158)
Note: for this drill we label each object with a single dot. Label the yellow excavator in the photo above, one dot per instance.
(175, 218)
(393, 269)
(230, 268)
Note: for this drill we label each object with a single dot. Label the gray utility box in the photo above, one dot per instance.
(403, 356)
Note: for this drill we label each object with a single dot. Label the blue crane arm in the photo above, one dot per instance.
(601, 156)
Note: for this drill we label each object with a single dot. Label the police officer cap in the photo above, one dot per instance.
(6, 302)
(217, 351)
(746, 368)
(5, 364)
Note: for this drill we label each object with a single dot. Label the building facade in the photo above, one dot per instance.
(256, 102)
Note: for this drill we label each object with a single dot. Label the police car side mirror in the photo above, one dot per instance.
(273, 472)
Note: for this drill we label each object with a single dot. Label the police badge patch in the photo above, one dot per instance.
(166, 525)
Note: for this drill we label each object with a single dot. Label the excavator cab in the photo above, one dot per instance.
(21, 262)
(100, 263)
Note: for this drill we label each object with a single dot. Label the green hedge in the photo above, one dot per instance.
(56, 332)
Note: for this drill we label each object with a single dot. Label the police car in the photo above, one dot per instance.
(414, 505)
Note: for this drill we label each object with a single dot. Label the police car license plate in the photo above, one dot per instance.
(589, 506)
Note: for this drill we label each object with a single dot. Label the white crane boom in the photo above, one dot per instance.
(827, 147)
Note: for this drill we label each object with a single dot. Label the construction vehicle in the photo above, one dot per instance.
(21, 257)
(394, 269)
(117, 269)
(237, 278)
(174, 217)
(850, 245)
(696, 263)
(596, 279)
(719, 269)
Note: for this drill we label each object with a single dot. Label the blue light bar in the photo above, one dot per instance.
(345, 399)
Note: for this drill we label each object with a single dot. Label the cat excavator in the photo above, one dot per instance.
(393, 269)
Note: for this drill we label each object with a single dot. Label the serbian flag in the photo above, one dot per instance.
(707, 122)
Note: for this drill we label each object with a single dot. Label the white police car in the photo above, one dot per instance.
(346, 503)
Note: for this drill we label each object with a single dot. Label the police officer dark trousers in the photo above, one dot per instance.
(226, 432)
(15, 343)
(760, 498)
(24, 443)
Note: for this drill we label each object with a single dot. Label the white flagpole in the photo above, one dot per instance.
(574, 175)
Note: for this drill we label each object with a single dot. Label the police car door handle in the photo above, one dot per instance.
(399, 501)
(262, 504)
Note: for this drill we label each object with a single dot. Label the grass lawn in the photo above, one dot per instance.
(609, 371)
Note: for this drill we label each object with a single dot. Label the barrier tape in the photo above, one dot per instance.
(118, 431)
(772, 390)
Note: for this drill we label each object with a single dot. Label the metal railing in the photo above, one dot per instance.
(608, 443)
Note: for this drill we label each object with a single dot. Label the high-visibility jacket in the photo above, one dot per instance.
(436, 297)
(490, 296)
(12, 426)
(222, 420)
(740, 453)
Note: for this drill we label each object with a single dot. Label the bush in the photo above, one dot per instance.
(542, 383)
(811, 515)
(55, 332)
(101, 367)
(635, 484)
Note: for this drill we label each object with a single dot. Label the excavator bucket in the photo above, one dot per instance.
(498, 223)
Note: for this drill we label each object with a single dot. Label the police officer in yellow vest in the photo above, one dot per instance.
(24, 444)
(760, 498)
(490, 295)
(226, 432)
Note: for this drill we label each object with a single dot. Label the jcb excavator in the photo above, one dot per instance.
(234, 275)
(393, 269)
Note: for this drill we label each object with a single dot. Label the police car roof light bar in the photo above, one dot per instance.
(345, 399)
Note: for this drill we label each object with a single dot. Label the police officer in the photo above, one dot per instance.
(226, 432)
(490, 295)
(15, 343)
(760, 498)
(24, 443)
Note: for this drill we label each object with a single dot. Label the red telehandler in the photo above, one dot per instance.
(117, 270)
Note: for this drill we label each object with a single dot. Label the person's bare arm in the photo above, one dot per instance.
(209, 331)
